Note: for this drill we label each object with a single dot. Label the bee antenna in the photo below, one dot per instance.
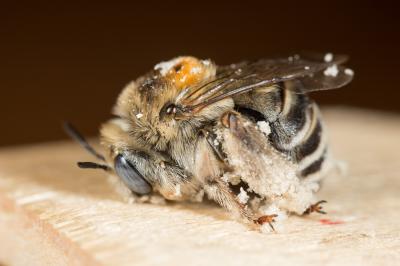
(92, 165)
(74, 134)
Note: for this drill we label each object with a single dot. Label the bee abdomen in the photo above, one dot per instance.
(313, 167)
(299, 134)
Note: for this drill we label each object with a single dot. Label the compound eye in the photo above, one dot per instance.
(170, 109)
(130, 176)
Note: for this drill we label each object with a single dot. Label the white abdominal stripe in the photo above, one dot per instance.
(300, 135)
(313, 162)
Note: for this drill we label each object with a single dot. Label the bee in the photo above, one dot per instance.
(246, 135)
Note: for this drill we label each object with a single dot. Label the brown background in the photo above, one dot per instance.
(69, 61)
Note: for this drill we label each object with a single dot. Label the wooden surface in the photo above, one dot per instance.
(52, 213)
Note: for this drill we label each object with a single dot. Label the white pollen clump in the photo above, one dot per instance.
(166, 66)
(331, 71)
(275, 180)
(195, 70)
(264, 127)
(349, 72)
(225, 178)
(206, 62)
(231, 178)
(216, 142)
(328, 57)
(243, 197)
(139, 115)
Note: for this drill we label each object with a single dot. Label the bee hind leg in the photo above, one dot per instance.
(223, 195)
(316, 207)
(220, 192)
(266, 219)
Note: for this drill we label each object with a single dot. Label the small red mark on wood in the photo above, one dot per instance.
(330, 222)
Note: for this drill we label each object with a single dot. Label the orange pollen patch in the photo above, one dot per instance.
(186, 72)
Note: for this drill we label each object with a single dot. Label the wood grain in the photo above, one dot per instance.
(52, 213)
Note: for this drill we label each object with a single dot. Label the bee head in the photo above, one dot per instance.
(149, 109)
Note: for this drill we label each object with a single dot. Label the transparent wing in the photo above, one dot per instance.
(314, 74)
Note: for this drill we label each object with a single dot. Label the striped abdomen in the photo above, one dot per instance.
(295, 121)
(298, 132)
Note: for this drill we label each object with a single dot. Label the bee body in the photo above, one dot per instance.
(190, 127)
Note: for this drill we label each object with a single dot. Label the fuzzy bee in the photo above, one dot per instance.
(246, 135)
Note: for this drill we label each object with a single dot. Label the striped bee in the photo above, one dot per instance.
(246, 135)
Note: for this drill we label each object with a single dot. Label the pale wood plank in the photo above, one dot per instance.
(52, 213)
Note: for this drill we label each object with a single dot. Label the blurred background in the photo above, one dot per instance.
(64, 61)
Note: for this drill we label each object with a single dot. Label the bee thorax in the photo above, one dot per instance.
(186, 71)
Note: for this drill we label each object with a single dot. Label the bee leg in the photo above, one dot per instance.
(238, 127)
(214, 143)
(230, 121)
(267, 219)
(316, 207)
(223, 195)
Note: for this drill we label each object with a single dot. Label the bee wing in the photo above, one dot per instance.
(243, 77)
(332, 77)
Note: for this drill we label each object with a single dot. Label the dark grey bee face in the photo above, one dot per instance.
(130, 176)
